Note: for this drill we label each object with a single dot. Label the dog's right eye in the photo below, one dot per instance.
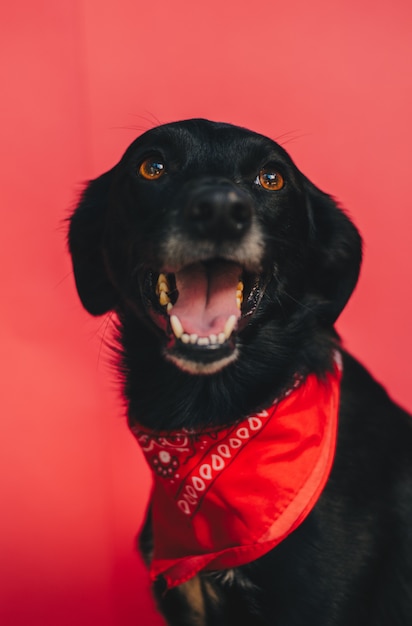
(151, 169)
(269, 178)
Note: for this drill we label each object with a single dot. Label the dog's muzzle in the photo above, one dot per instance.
(211, 281)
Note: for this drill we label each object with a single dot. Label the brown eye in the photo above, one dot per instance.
(270, 179)
(151, 169)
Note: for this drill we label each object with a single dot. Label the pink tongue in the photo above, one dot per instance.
(207, 297)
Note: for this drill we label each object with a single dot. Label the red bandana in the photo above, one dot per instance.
(222, 498)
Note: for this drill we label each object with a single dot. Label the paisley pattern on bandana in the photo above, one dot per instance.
(188, 483)
(224, 497)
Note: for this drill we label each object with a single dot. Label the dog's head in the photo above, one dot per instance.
(204, 231)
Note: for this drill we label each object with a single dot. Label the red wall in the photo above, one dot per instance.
(80, 79)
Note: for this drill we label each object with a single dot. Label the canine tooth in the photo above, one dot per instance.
(229, 326)
(239, 294)
(193, 338)
(163, 287)
(213, 338)
(163, 298)
(176, 325)
(169, 307)
(203, 341)
(240, 286)
(185, 338)
(221, 338)
(239, 303)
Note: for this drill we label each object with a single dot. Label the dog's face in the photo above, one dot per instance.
(204, 231)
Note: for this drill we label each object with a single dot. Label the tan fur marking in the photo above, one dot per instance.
(212, 594)
(193, 594)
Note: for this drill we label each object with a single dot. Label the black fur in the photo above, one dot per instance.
(350, 562)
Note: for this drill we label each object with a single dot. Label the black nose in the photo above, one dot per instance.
(218, 211)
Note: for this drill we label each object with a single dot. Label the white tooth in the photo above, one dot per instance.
(185, 338)
(229, 326)
(169, 307)
(194, 338)
(213, 338)
(221, 338)
(203, 341)
(176, 326)
(163, 298)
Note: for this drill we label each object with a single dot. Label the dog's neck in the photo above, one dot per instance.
(224, 497)
(160, 396)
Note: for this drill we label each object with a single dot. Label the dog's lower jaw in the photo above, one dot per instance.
(197, 367)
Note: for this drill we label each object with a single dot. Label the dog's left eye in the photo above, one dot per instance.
(270, 179)
(151, 169)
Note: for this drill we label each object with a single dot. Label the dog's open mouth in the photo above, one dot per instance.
(201, 308)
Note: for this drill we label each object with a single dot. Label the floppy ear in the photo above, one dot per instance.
(85, 238)
(336, 255)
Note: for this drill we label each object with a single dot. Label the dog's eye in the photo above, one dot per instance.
(269, 178)
(151, 169)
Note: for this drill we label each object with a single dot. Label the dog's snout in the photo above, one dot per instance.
(220, 212)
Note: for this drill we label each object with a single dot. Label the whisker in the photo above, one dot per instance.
(290, 136)
(301, 304)
(62, 280)
(107, 322)
(150, 121)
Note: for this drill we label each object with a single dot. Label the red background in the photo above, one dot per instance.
(80, 79)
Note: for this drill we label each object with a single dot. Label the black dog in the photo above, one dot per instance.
(227, 269)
